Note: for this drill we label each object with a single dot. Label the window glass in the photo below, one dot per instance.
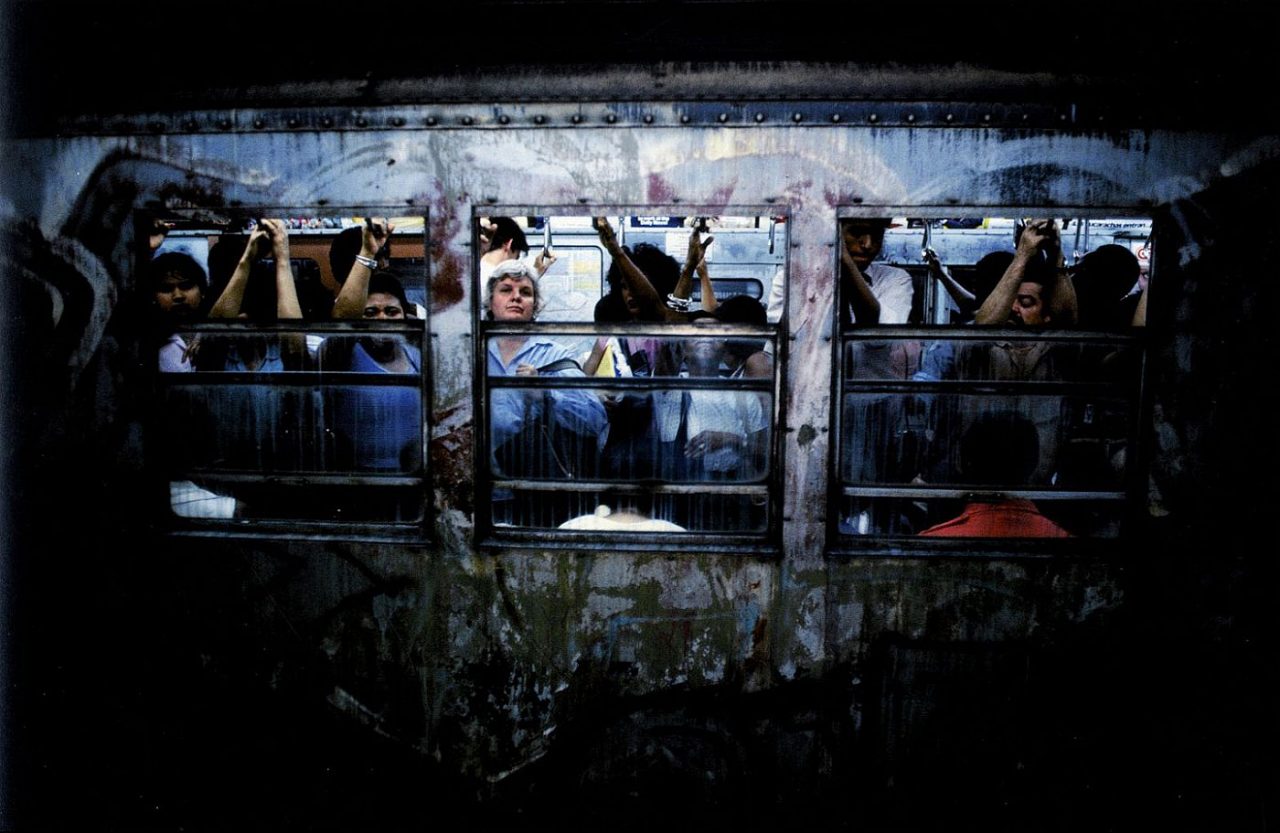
(1020, 421)
(289, 351)
(630, 374)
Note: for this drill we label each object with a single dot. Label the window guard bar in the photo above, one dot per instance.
(688, 541)
(768, 333)
(1112, 390)
(302, 327)
(224, 476)
(701, 487)
(290, 378)
(972, 493)
(946, 332)
(759, 385)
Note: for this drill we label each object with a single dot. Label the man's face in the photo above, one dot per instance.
(178, 297)
(863, 242)
(513, 299)
(1028, 306)
(702, 353)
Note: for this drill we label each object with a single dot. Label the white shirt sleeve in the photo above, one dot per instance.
(892, 288)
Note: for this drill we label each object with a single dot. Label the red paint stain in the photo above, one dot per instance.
(722, 195)
(660, 191)
(448, 270)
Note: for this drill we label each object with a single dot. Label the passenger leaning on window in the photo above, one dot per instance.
(870, 292)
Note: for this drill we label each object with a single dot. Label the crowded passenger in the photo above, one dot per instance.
(632, 446)
(871, 292)
(1033, 293)
(1035, 290)
(178, 289)
(255, 292)
(377, 428)
(1107, 287)
(536, 432)
(715, 435)
(711, 434)
(1000, 450)
(177, 285)
(504, 240)
(643, 282)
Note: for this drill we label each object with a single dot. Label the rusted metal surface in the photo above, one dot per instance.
(478, 657)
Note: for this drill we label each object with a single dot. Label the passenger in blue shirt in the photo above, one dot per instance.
(377, 428)
(537, 432)
(512, 296)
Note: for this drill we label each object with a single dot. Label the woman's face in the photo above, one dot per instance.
(513, 299)
(633, 305)
(177, 296)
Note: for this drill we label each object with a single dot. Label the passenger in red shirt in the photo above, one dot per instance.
(1000, 450)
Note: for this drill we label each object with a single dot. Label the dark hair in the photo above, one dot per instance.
(388, 283)
(662, 270)
(1040, 271)
(343, 251)
(1101, 279)
(987, 272)
(1000, 448)
(739, 309)
(184, 264)
(876, 226)
(611, 309)
(1113, 264)
(504, 229)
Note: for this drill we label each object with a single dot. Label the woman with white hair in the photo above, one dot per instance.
(535, 432)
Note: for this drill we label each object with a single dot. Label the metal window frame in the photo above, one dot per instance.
(491, 537)
(840, 545)
(419, 329)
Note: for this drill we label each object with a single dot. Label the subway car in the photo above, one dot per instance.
(630, 414)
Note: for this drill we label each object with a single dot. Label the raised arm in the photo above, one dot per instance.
(1140, 311)
(637, 283)
(354, 294)
(964, 299)
(232, 298)
(696, 259)
(995, 309)
(866, 309)
(293, 346)
(287, 305)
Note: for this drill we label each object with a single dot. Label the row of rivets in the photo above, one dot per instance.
(294, 122)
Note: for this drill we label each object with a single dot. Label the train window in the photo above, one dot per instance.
(630, 374)
(990, 376)
(290, 355)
